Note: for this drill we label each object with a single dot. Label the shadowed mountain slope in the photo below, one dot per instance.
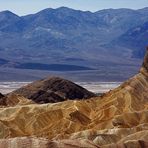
(52, 90)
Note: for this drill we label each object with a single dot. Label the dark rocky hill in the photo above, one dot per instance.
(53, 89)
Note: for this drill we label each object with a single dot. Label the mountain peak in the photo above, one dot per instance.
(8, 13)
(57, 9)
(64, 8)
(143, 10)
(116, 11)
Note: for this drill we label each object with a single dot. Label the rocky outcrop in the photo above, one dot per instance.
(144, 68)
(24, 142)
(32, 142)
(14, 100)
(1, 95)
(2, 100)
(119, 118)
(52, 90)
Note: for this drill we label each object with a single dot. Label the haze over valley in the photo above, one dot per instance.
(108, 44)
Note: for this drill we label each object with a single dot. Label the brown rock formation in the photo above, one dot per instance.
(13, 100)
(2, 102)
(24, 142)
(117, 119)
(144, 68)
(32, 142)
(52, 90)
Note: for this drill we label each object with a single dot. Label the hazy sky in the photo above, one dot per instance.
(22, 7)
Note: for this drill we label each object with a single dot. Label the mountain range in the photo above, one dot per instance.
(65, 39)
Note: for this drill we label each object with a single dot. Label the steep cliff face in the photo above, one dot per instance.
(32, 142)
(117, 119)
(144, 68)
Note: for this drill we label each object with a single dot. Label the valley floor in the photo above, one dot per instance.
(96, 87)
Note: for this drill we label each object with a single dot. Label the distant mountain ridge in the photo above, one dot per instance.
(135, 38)
(55, 35)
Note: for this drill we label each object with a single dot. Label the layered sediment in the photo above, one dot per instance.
(13, 99)
(119, 118)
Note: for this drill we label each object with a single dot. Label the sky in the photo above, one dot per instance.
(23, 7)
